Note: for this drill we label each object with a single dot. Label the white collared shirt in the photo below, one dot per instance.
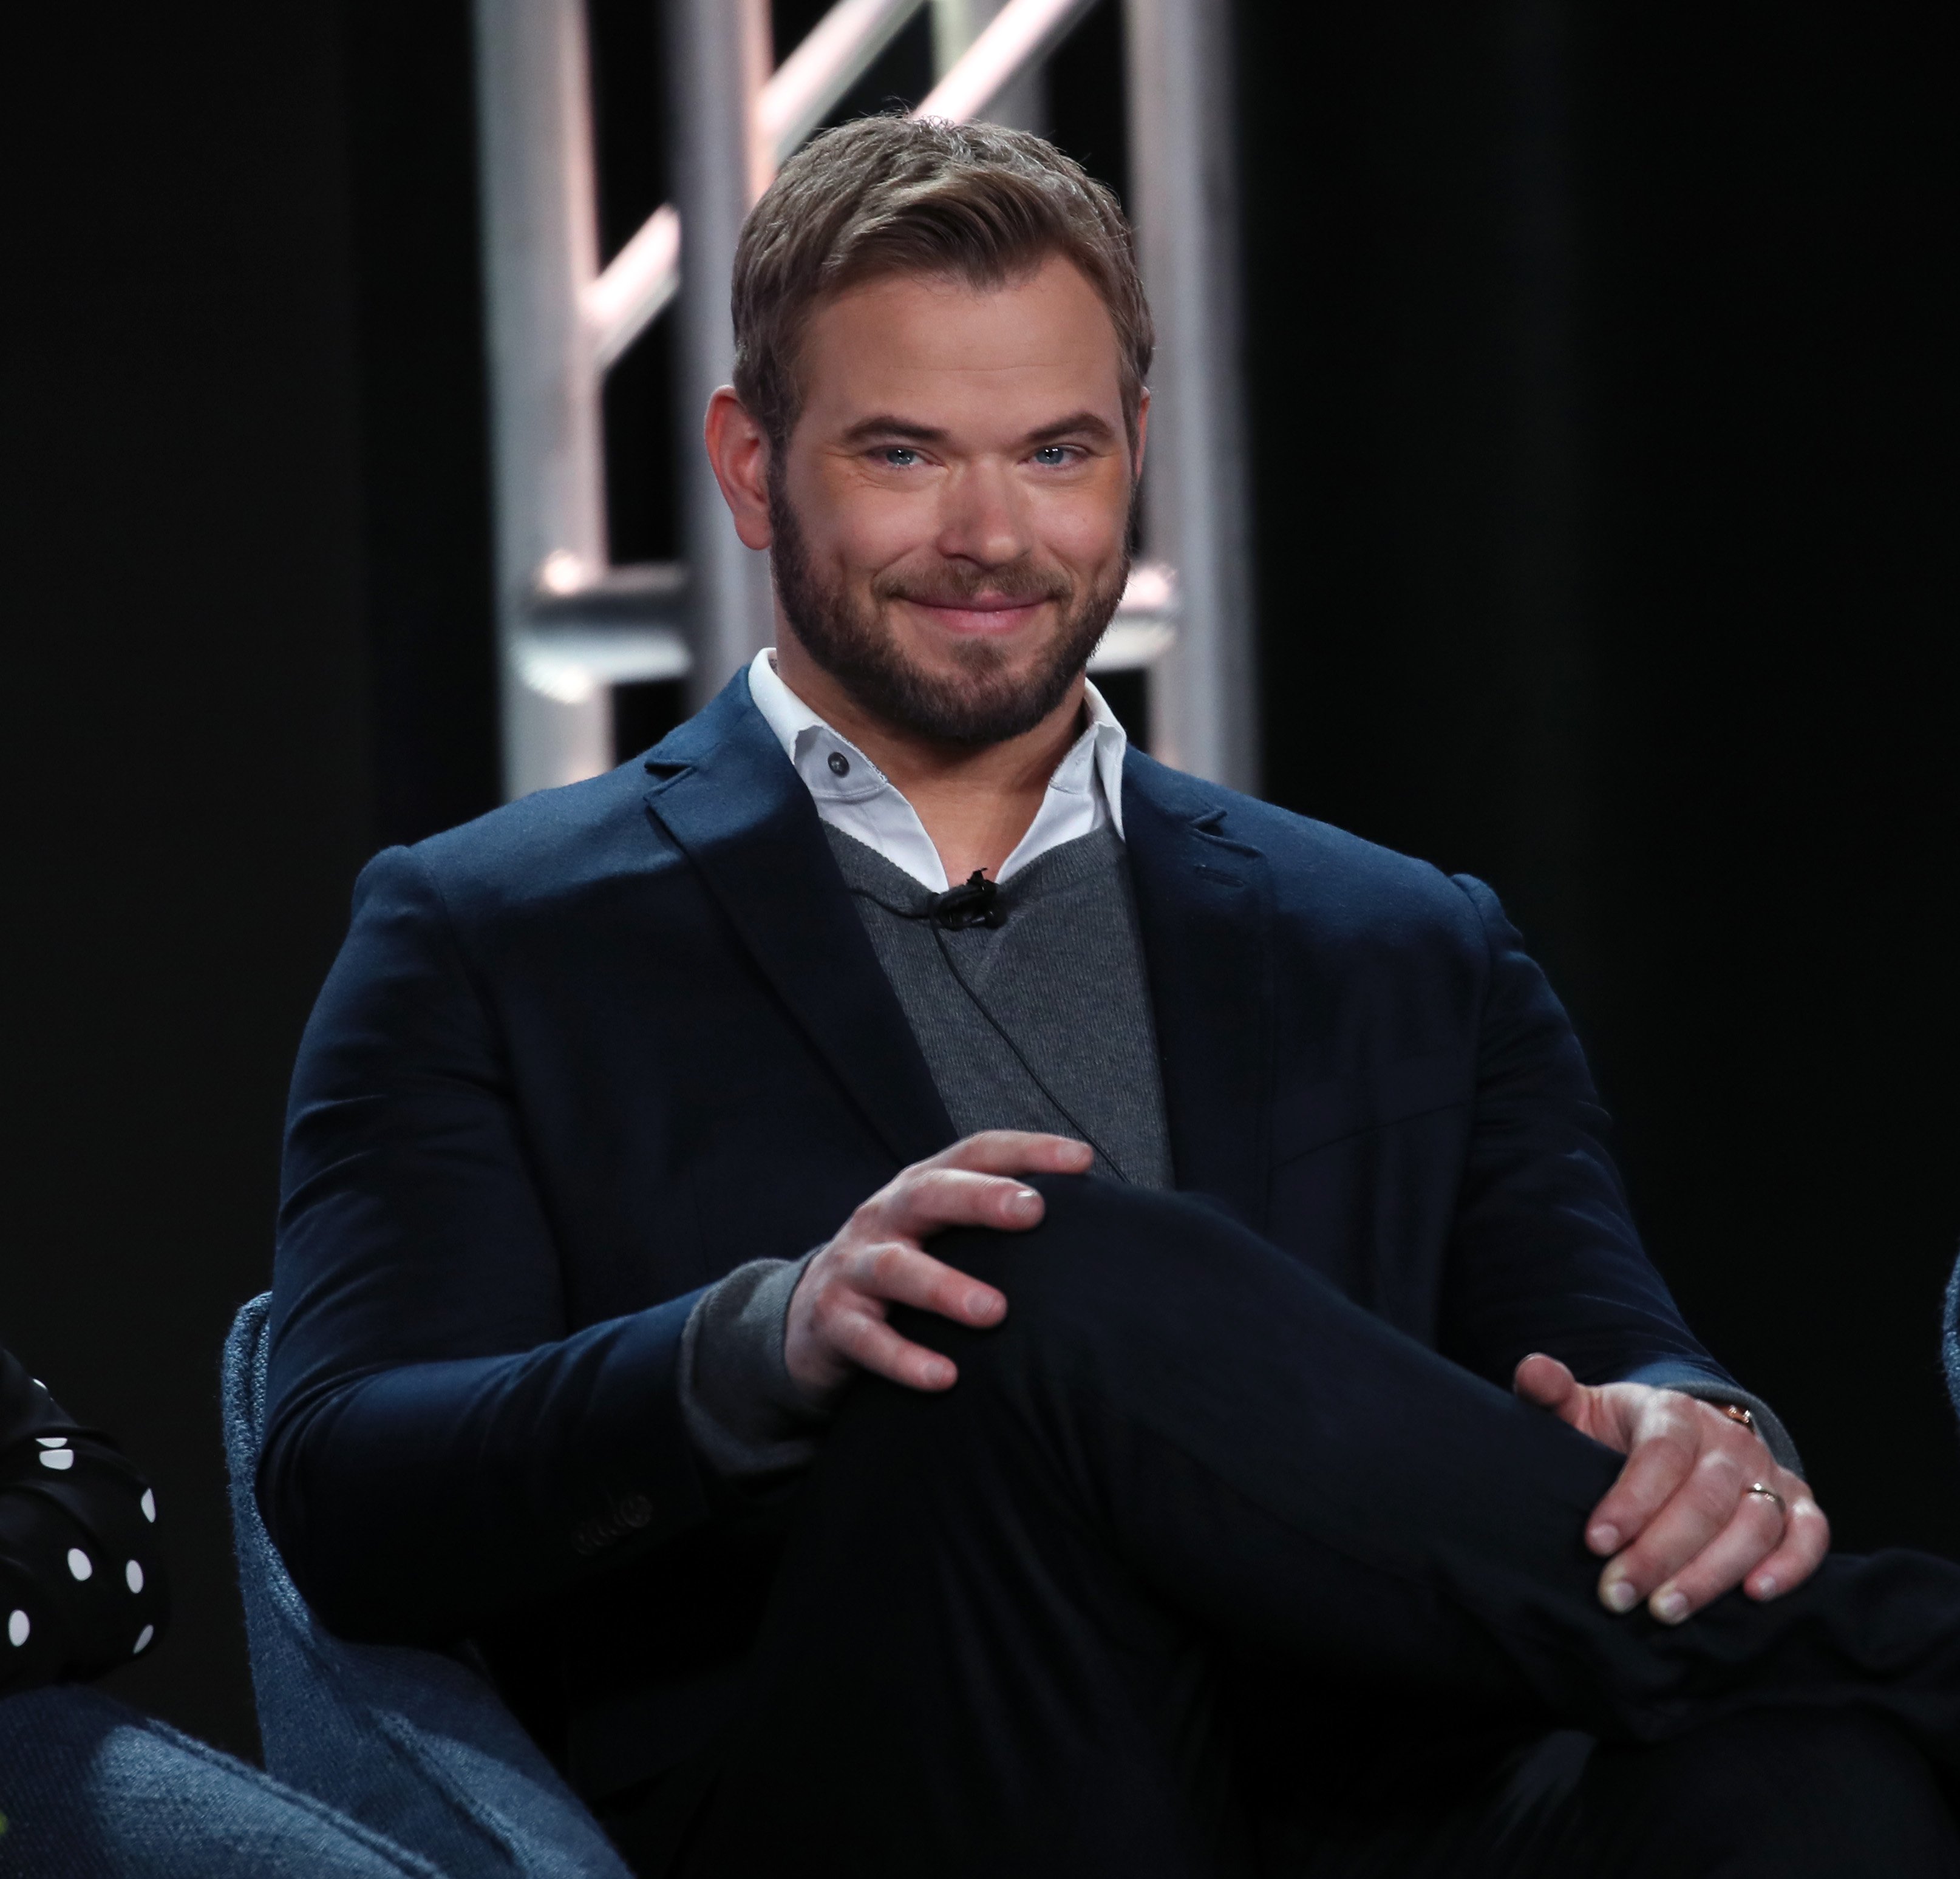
(852, 794)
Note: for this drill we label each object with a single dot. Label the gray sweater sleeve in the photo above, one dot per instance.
(745, 1416)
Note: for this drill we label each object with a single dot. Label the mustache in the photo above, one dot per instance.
(1019, 584)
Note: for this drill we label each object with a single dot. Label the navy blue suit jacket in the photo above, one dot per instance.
(579, 1058)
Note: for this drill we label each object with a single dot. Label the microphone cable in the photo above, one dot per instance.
(975, 902)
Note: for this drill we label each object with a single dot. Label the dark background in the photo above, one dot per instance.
(1603, 400)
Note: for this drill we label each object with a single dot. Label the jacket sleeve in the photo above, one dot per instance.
(1545, 1257)
(82, 1582)
(440, 1447)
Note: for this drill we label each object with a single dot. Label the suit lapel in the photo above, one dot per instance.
(727, 795)
(1204, 903)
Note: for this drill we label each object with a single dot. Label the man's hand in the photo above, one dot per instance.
(1680, 1523)
(837, 1315)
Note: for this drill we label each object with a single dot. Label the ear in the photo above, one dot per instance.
(740, 454)
(1142, 432)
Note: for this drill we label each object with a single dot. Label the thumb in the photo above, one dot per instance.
(1545, 1382)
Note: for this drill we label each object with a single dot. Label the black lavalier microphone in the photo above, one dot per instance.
(974, 902)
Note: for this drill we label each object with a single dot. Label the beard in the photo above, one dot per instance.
(986, 701)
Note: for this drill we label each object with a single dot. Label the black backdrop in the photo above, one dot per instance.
(1603, 404)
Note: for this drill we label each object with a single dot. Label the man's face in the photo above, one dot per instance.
(951, 515)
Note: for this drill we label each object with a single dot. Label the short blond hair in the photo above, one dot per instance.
(885, 195)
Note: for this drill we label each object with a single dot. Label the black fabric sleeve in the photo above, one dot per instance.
(82, 1587)
(1545, 1257)
(441, 1446)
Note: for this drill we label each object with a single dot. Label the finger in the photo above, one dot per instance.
(1806, 1539)
(1015, 1152)
(867, 1341)
(1751, 1537)
(900, 1274)
(1700, 1507)
(1663, 1454)
(1545, 1382)
(925, 1201)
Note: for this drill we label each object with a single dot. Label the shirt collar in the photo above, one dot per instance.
(1092, 767)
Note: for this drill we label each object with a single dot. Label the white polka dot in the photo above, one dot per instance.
(79, 1563)
(143, 1637)
(52, 1442)
(132, 1574)
(148, 1504)
(60, 1460)
(18, 1626)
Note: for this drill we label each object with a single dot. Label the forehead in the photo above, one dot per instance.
(944, 352)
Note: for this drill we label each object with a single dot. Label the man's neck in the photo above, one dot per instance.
(976, 803)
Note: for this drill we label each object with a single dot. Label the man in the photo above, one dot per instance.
(1170, 1511)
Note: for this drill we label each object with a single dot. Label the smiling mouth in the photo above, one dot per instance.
(981, 613)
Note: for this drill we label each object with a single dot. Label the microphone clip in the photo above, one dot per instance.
(974, 902)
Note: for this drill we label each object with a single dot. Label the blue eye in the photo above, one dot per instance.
(1052, 456)
(900, 455)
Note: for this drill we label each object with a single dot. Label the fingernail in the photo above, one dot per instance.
(1670, 1607)
(1765, 1586)
(980, 1303)
(1025, 1200)
(1617, 1594)
(1603, 1539)
(939, 1375)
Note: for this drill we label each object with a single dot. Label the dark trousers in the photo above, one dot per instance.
(1202, 1569)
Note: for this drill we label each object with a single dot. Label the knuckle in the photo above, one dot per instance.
(824, 1310)
(884, 1265)
(1672, 1439)
(1720, 1475)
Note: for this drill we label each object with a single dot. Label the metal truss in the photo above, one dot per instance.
(572, 625)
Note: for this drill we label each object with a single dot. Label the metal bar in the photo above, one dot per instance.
(565, 659)
(830, 58)
(1145, 627)
(1023, 102)
(644, 276)
(719, 58)
(539, 241)
(634, 290)
(1023, 33)
(1185, 208)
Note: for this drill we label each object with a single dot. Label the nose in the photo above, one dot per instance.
(983, 518)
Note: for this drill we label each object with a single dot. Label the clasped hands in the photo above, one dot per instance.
(1678, 1528)
(1680, 1525)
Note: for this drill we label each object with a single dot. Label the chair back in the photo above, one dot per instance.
(1949, 1338)
(413, 1744)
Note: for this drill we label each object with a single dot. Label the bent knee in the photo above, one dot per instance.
(1111, 1272)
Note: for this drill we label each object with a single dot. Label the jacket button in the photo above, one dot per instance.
(634, 1510)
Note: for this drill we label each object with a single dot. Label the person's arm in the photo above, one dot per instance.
(744, 1413)
(440, 1445)
(82, 1587)
(1544, 1256)
(440, 1449)
(1549, 1290)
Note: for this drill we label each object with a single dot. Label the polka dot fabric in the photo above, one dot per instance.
(82, 1586)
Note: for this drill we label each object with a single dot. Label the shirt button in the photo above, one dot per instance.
(840, 765)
